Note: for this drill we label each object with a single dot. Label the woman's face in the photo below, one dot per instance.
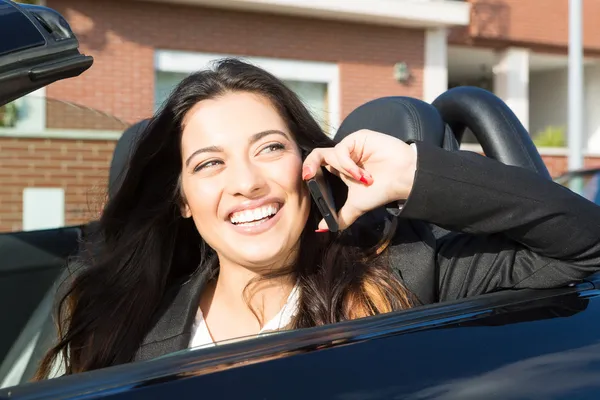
(242, 179)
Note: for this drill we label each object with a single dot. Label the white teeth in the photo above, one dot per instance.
(246, 216)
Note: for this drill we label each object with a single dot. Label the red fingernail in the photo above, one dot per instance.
(305, 172)
(364, 180)
(322, 230)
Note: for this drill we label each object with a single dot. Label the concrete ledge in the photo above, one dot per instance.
(408, 13)
(544, 151)
(73, 134)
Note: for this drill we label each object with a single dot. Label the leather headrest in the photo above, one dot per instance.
(405, 118)
(496, 127)
(121, 154)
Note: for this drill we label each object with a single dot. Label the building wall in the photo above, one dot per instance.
(548, 93)
(548, 102)
(122, 37)
(80, 167)
(592, 102)
(528, 22)
(557, 164)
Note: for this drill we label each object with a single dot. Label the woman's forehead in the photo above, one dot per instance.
(233, 118)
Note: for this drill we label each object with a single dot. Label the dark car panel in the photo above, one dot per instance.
(38, 48)
(494, 346)
(30, 263)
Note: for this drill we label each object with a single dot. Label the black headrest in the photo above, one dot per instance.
(123, 149)
(406, 118)
(496, 127)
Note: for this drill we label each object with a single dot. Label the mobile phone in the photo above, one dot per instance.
(320, 191)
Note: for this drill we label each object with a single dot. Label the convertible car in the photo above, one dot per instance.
(589, 180)
(527, 344)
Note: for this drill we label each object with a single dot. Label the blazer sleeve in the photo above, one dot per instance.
(509, 227)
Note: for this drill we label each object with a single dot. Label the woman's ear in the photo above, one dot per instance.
(185, 211)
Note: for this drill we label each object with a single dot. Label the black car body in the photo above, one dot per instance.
(588, 179)
(508, 345)
(527, 344)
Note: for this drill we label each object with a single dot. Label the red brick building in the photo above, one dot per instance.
(336, 55)
(519, 50)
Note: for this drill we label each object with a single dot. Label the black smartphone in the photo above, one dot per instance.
(320, 190)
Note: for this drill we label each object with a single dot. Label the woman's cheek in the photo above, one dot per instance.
(202, 197)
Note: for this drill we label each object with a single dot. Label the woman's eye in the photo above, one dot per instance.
(272, 147)
(208, 164)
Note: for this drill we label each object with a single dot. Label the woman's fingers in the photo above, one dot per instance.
(337, 158)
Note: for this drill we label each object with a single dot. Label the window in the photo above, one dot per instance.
(316, 83)
(25, 113)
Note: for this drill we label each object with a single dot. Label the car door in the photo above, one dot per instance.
(30, 263)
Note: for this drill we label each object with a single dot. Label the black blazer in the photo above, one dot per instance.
(471, 225)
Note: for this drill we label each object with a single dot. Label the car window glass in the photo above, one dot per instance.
(28, 35)
(54, 159)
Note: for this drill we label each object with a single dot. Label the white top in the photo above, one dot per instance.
(202, 337)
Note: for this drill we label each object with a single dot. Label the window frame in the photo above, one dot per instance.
(286, 69)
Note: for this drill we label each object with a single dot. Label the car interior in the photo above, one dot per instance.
(33, 261)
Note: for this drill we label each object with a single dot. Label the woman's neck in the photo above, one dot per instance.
(239, 302)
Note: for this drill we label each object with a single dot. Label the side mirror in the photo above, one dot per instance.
(37, 47)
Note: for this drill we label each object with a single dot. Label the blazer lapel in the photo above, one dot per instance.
(173, 330)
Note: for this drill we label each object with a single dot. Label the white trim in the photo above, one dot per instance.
(408, 13)
(511, 81)
(73, 134)
(298, 70)
(435, 71)
(544, 151)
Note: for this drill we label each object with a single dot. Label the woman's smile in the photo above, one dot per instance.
(256, 219)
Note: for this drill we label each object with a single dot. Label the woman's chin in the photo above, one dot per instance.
(260, 254)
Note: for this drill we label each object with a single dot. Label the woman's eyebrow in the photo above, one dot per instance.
(209, 149)
(254, 138)
(257, 136)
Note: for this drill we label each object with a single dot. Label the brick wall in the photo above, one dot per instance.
(78, 166)
(122, 36)
(557, 164)
(535, 23)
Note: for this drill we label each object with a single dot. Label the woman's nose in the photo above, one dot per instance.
(245, 179)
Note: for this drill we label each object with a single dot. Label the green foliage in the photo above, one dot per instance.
(9, 114)
(552, 136)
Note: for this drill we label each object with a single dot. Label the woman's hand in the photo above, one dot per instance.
(377, 168)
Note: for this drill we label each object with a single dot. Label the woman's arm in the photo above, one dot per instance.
(511, 228)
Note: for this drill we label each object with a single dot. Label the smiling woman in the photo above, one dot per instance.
(212, 234)
(214, 202)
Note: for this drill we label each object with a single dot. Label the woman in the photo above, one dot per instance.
(213, 235)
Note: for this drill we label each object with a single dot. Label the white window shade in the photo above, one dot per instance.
(43, 208)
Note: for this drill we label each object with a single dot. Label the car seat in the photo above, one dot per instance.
(442, 123)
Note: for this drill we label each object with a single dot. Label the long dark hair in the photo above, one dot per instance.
(146, 245)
